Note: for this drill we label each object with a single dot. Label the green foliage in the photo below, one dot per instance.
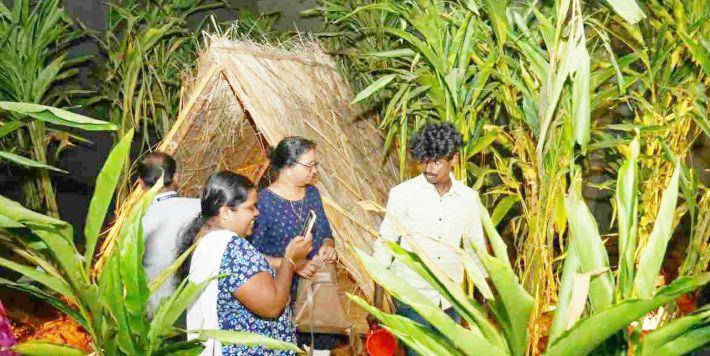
(33, 64)
(112, 309)
(603, 317)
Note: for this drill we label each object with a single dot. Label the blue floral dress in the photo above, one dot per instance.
(241, 262)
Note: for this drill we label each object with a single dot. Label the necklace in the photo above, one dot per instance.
(293, 208)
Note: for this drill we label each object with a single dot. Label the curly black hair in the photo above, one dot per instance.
(436, 141)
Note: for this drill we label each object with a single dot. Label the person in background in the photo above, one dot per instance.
(437, 211)
(251, 296)
(167, 215)
(284, 206)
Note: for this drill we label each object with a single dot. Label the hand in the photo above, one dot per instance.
(307, 268)
(327, 253)
(298, 248)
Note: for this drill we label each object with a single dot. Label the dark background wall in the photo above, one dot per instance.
(74, 190)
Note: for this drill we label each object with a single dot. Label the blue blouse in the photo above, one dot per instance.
(241, 262)
(280, 220)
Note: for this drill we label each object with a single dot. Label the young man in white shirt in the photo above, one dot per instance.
(164, 221)
(437, 211)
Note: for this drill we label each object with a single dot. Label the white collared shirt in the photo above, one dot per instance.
(163, 223)
(452, 218)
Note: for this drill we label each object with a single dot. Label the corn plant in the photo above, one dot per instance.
(34, 37)
(149, 47)
(594, 309)
(111, 308)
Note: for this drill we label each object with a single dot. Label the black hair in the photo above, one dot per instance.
(436, 141)
(222, 189)
(287, 152)
(155, 164)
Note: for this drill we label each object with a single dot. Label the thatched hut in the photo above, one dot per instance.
(246, 97)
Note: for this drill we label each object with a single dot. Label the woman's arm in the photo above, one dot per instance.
(266, 296)
(274, 261)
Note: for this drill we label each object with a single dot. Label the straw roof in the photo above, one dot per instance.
(246, 97)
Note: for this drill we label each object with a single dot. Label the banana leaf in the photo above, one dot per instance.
(589, 333)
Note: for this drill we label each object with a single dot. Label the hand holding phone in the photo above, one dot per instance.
(310, 222)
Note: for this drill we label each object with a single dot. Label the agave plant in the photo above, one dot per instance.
(34, 37)
(112, 307)
(594, 309)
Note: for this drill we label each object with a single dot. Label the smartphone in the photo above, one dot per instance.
(310, 222)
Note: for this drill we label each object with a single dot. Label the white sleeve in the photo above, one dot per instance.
(388, 228)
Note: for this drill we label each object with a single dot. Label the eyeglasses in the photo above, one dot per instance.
(310, 165)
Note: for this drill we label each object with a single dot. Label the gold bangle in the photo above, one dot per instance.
(291, 261)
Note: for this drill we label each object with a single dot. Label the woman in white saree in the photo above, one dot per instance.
(249, 295)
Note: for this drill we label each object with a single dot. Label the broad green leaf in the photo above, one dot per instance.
(419, 338)
(687, 342)
(627, 216)
(170, 271)
(130, 252)
(483, 143)
(700, 54)
(248, 339)
(27, 162)
(513, 304)
(395, 53)
(676, 330)
(48, 298)
(502, 208)
(629, 10)
(57, 116)
(183, 348)
(564, 296)
(453, 292)
(653, 253)
(590, 332)
(460, 337)
(496, 13)
(589, 247)
(9, 127)
(43, 348)
(106, 183)
(372, 88)
(500, 250)
(171, 308)
(51, 282)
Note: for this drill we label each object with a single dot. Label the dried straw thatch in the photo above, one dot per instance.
(246, 97)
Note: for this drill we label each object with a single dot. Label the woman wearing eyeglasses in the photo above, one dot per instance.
(284, 206)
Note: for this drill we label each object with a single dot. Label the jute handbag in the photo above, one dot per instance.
(318, 306)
